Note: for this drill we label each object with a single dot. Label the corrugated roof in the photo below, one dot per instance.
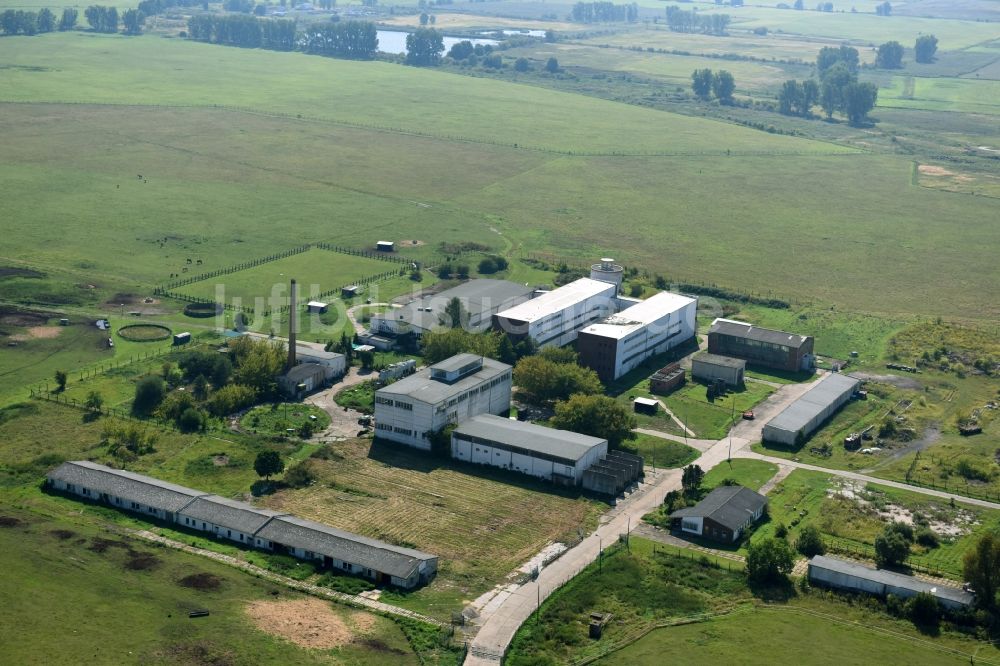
(729, 506)
(633, 318)
(129, 486)
(331, 542)
(563, 444)
(559, 299)
(892, 578)
(811, 404)
(229, 513)
(742, 329)
(718, 359)
(457, 362)
(420, 386)
(476, 296)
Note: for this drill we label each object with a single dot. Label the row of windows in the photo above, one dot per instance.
(379, 400)
(383, 426)
(404, 405)
(403, 431)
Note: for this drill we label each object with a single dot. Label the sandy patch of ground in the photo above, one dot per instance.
(950, 524)
(309, 623)
(932, 170)
(411, 243)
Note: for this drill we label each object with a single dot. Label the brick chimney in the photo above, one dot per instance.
(293, 324)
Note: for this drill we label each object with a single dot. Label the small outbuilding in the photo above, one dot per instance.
(708, 367)
(722, 515)
(385, 246)
(646, 405)
(666, 379)
(182, 338)
(317, 307)
(302, 380)
(350, 291)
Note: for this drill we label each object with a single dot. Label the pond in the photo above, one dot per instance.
(394, 41)
(513, 32)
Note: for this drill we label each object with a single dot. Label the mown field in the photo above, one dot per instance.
(941, 94)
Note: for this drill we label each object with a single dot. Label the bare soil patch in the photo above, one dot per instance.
(931, 170)
(22, 319)
(220, 460)
(39, 333)
(198, 653)
(205, 582)
(309, 623)
(10, 521)
(140, 561)
(63, 535)
(99, 545)
(379, 646)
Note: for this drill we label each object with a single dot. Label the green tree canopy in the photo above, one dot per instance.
(424, 47)
(810, 542)
(701, 83)
(981, 566)
(925, 48)
(149, 393)
(769, 560)
(268, 463)
(692, 477)
(889, 56)
(723, 85)
(546, 381)
(892, 546)
(597, 416)
(441, 344)
(552, 66)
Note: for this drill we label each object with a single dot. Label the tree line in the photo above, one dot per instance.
(19, 22)
(680, 20)
(604, 12)
(838, 90)
(244, 31)
(356, 40)
(890, 54)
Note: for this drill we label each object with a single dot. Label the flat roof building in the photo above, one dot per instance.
(244, 523)
(410, 410)
(796, 422)
(761, 346)
(555, 455)
(621, 342)
(554, 318)
(856, 577)
(480, 300)
(722, 515)
(708, 367)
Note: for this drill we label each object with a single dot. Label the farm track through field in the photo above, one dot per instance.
(465, 139)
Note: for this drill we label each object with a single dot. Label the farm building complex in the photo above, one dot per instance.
(803, 417)
(722, 515)
(761, 346)
(855, 577)
(243, 523)
(452, 391)
(555, 317)
(480, 300)
(708, 367)
(623, 341)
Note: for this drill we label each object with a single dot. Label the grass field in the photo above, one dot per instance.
(277, 418)
(77, 587)
(766, 634)
(467, 515)
(712, 420)
(750, 473)
(659, 452)
(942, 94)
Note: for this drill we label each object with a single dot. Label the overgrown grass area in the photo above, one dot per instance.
(713, 419)
(660, 452)
(70, 583)
(279, 418)
(470, 516)
(360, 397)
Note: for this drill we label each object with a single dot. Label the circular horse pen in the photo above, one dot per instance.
(202, 310)
(145, 332)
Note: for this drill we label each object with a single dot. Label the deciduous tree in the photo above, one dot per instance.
(268, 463)
(981, 566)
(424, 47)
(597, 416)
(889, 56)
(769, 560)
(925, 48)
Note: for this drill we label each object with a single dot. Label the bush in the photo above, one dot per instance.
(301, 475)
(810, 542)
(149, 393)
(781, 531)
(892, 547)
(927, 538)
(923, 610)
(769, 560)
(191, 420)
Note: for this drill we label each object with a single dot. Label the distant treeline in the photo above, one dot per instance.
(356, 40)
(680, 20)
(730, 295)
(245, 31)
(19, 22)
(153, 7)
(604, 12)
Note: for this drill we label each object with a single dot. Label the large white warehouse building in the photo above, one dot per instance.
(451, 391)
(803, 417)
(621, 342)
(554, 318)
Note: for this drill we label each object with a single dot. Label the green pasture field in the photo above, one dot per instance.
(805, 498)
(712, 420)
(78, 68)
(469, 515)
(764, 635)
(750, 473)
(659, 452)
(61, 593)
(942, 94)
(316, 271)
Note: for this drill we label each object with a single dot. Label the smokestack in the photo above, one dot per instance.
(293, 324)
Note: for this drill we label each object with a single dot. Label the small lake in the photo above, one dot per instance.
(394, 41)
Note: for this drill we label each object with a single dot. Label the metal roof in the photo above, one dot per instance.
(633, 318)
(303, 371)
(717, 359)
(126, 485)
(229, 513)
(420, 386)
(892, 578)
(825, 392)
(345, 546)
(742, 329)
(569, 446)
(559, 299)
(477, 297)
(729, 506)
(457, 362)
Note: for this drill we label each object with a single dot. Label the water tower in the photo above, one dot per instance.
(608, 271)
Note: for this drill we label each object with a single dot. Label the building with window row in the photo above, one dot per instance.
(554, 318)
(762, 347)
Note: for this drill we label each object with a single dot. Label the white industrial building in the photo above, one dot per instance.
(856, 577)
(803, 417)
(480, 300)
(706, 367)
(452, 391)
(244, 523)
(333, 364)
(621, 342)
(555, 455)
(554, 318)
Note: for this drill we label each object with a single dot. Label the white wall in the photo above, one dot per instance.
(654, 338)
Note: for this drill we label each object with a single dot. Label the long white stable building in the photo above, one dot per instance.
(244, 523)
(796, 422)
(452, 391)
(621, 342)
(555, 317)
(555, 455)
